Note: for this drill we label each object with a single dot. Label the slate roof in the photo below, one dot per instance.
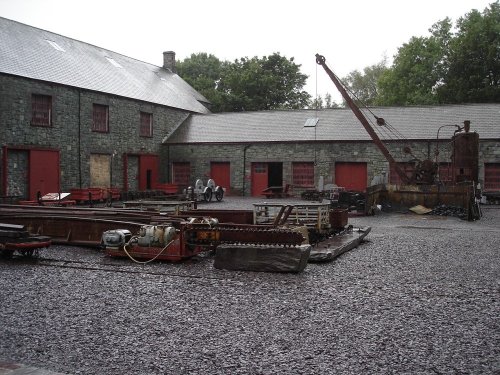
(30, 52)
(413, 123)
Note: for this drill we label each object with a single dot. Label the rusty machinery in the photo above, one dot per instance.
(463, 176)
(189, 238)
(281, 231)
(424, 171)
(465, 146)
(465, 154)
(16, 238)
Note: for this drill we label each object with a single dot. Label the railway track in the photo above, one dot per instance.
(128, 268)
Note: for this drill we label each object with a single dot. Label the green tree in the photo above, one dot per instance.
(364, 86)
(417, 70)
(248, 84)
(203, 72)
(473, 72)
(446, 67)
(317, 103)
(328, 101)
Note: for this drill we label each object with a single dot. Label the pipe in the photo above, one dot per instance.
(244, 164)
(4, 171)
(79, 138)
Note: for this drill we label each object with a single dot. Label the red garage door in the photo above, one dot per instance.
(43, 172)
(220, 172)
(492, 176)
(352, 176)
(181, 174)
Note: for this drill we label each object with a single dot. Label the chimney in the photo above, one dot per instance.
(169, 60)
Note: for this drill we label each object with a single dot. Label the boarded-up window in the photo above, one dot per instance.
(303, 174)
(41, 110)
(492, 176)
(146, 126)
(100, 118)
(181, 172)
(394, 177)
(100, 170)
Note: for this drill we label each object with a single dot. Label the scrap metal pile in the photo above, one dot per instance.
(426, 182)
(278, 238)
(16, 239)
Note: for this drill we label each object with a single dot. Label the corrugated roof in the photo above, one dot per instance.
(38, 54)
(420, 122)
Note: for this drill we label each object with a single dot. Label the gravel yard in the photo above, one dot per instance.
(421, 296)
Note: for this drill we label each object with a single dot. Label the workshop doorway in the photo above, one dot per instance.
(265, 175)
(148, 172)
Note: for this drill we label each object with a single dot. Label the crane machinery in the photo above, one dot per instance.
(423, 185)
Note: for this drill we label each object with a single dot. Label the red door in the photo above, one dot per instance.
(492, 176)
(220, 172)
(148, 172)
(43, 172)
(352, 176)
(259, 178)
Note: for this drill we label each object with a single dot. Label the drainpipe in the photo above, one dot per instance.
(169, 174)
(4, 171)
(244, 164)
(79, 138)
(125, 171)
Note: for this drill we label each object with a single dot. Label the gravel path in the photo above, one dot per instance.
(420, 297)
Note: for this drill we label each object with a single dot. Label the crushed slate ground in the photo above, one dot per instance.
(421, 296)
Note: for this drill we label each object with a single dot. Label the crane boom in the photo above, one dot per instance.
(320, 60)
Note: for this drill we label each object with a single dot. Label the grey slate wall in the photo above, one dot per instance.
(324, 154)
(71, 127)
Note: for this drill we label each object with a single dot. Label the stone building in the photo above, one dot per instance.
(74, 115)
(247, 152)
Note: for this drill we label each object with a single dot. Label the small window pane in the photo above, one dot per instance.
(100, 117)
(311, 122)
(41, 110)
(146, 126)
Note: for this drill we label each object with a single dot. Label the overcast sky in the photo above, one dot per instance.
(351, 34)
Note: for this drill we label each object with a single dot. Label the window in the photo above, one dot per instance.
(259, 168)
(146, 126)
(114, 62)
(41, 110)
(181, 173)
(303, 174)
(55, 45)
(100, 118)
(311, 122)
